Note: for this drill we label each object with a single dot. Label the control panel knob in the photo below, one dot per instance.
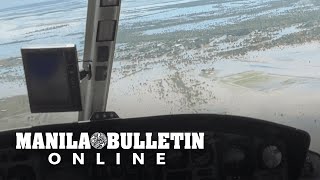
(272, 157)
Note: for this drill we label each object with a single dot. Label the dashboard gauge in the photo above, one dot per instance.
(237, 161)
(272, 157)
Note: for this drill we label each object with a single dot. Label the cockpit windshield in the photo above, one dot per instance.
(257, 58)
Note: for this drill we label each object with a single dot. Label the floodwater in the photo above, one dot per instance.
(257, 58)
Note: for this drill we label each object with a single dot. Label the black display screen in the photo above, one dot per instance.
(52, 79)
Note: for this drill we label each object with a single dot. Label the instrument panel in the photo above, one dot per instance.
(226, 156)
(236, 148)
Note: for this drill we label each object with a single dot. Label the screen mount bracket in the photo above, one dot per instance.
(86, 73)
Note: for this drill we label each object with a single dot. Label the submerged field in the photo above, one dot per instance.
(257, 58)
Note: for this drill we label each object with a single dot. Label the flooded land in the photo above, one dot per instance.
(256, 58)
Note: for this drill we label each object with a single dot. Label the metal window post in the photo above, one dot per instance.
(100, 38)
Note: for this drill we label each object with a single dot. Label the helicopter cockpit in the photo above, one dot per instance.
(235, 148)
